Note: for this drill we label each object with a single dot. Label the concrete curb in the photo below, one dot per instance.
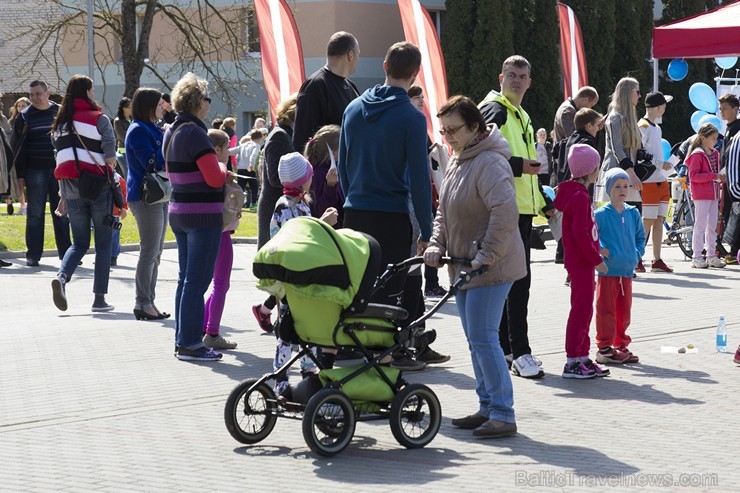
(131, 247)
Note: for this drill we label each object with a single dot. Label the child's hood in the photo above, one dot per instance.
(566, 191)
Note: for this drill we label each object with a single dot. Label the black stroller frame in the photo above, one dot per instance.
(328, 415)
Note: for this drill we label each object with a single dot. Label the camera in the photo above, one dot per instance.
(114, 222)
(644, 157)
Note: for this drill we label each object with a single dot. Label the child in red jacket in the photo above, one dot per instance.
(705, 179)
(582, 255)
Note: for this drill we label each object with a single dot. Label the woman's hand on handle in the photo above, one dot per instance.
(432, 258)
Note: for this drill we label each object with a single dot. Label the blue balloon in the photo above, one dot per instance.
(666, 149)
(549, 192)
(678, 69)
(703, 97)
(726, 62)
(713, 119)
(695, 117)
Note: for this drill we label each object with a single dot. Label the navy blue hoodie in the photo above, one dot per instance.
(383, 155)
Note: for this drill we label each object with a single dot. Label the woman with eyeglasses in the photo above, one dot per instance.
(478, 219)
(195, 212)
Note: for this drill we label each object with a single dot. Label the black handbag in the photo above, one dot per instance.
(90, 185)
(644, 167)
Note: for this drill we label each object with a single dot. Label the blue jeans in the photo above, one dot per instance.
(81, 212)
(42, 186)
(197, 249)
(480, 310)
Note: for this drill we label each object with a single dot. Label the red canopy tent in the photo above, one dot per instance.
(712, 34)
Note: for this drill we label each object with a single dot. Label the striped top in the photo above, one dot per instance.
(92, 140)
(40, 152)
(194, 203)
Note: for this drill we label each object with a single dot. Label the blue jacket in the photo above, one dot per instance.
(143, 139)
(383, 156)
(624, 235)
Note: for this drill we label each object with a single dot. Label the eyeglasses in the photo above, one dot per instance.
(451, 130)
(207, 99)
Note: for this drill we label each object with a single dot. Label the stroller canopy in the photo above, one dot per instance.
(314, 259)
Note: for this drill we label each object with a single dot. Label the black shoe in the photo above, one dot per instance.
(59, 293)
(142, 315)
(407, 364)
(432, 357)
(32, 263)
(3, 263)
(113, 261)
(469, 422)
(11, 209)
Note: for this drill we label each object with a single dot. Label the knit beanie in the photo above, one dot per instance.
(582, 160)
(294, 170)
(611, 177)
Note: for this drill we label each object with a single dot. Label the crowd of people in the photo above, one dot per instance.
(364, 161)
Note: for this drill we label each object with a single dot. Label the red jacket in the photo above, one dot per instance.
(702, 175)
(580, 235)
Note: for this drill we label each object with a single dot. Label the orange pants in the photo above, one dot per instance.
(613, 309)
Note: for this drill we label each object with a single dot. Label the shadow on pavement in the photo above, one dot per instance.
(659, 372)
(681, 283)
(611, 388)
(644, 296)
(582, 460)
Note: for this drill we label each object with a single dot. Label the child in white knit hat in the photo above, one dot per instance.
(295, 174)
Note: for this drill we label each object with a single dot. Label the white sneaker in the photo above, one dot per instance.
(526, 366)
(699, 263)
(716, 262)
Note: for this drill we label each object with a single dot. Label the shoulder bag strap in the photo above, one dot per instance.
(104, 167)
(169, 144)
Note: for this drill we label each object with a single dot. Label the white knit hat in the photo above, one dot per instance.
(294, 170)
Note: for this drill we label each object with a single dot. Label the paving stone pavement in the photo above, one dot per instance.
(97, 402)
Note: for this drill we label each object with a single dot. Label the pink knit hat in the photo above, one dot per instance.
(582, 160)
(294, 170)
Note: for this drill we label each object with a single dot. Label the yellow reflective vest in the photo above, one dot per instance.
(519, 133)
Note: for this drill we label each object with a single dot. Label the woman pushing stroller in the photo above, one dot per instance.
(478, 219)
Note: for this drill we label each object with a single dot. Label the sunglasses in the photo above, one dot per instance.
(207, 99)
(450, 130)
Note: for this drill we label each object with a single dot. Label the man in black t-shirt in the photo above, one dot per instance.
(324, 96)
(34, 163)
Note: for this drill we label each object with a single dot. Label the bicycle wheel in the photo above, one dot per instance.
(328, 422)
(250, 417)
(682, 228)
(415, 416)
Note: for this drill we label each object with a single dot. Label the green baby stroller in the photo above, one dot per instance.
(325, 278)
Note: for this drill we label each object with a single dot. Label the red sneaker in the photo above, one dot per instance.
(262, 320)
(631, 357)
(640, 267)
(660, 266)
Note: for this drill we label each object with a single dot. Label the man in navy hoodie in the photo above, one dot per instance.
(383, 158)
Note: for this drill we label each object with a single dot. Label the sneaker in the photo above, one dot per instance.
(469, 422)
(100, 305)
(405, 363)
(11, 209)
(4, 263)
(716, 262)
(578, 371)
(437, 292)
(730, 260)
(525, 366)
(631, 357)
(598, 370)
(22, 211)
(263, 320)
(31, 262)
(200, 354)
(59, 293)
(659, 266)
(218, 342)
(736, 359)
(611, 357)
(640, 267)
(432, 357)
(699, 263)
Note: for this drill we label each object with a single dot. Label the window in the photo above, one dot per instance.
(439, 19)
(252, 32)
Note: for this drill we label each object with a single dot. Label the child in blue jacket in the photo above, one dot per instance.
(622, 239)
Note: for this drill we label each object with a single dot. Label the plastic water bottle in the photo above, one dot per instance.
(721, 335)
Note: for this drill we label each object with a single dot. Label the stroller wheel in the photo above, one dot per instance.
(415, 416)
(329, 422)
(250, 417)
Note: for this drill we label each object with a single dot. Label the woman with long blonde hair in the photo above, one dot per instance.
(623, 138)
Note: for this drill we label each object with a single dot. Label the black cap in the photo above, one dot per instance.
(656, 98)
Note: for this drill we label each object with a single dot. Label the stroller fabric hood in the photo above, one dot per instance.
(310, 257)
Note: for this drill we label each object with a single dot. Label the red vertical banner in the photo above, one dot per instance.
(419, 30)
(282, 54)
(572, 54)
